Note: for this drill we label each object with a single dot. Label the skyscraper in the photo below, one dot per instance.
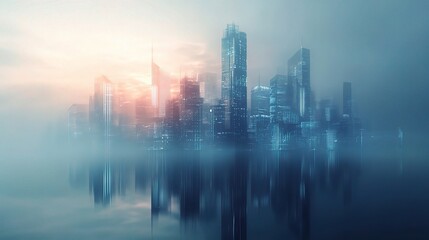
(281, 100)
(278, 100)
(260, 113)
(191, 114)
(217, 122)
(172, 121)
(260, 100)
(102, 112)
(299, 75)
(347, 99)
(160, 88)
(283, 115)
(234, 82)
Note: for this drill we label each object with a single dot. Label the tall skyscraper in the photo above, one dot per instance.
(347, 99)
(299, 74)
(102, 108)
(160, 88)
(234, 82)
(191, 108)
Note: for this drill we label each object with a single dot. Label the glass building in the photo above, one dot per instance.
(234, 82)
(260, 113)
(191, 114)
(278, 105)
(102, 108)
(299, 75)
(260, 100)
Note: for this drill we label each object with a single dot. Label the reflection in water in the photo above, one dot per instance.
(101, 183)
(221, 188)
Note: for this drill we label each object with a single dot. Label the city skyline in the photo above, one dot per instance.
(42, 57)
(226, 119)
(185, 115)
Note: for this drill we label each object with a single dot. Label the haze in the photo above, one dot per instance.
(51, 51)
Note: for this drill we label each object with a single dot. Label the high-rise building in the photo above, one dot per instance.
(234, 82)
(278, 100)
(102, 109)
(260, 113)
(260, 101)
(347, 99)
(217, 122)
(209, 87)
(283, 115)
(160, 88)
(299, 75)
(78, 122)
(191, 114)
(172, 121)
(281, 100)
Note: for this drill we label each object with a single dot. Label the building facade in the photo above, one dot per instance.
(234, 82)
(191, 113)
(299, 75)
(260, 113)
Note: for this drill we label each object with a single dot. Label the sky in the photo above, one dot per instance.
(52, 50)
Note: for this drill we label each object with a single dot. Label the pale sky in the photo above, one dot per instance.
(51, 50)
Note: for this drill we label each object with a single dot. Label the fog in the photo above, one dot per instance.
(51, 52)
(381, 47)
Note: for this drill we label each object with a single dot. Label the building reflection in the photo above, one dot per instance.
(222, 188)
(101, 183)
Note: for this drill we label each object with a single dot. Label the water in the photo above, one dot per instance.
(378, 191)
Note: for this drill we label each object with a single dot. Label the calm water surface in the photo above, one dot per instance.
(378, 191)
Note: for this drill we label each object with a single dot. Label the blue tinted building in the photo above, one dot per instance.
(234, 82)
(299, 75)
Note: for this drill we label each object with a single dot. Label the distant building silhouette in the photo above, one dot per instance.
(209, 87)
(78, 122)
(347, 99)
(145, 116)
(160, 89)
(172, 122)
